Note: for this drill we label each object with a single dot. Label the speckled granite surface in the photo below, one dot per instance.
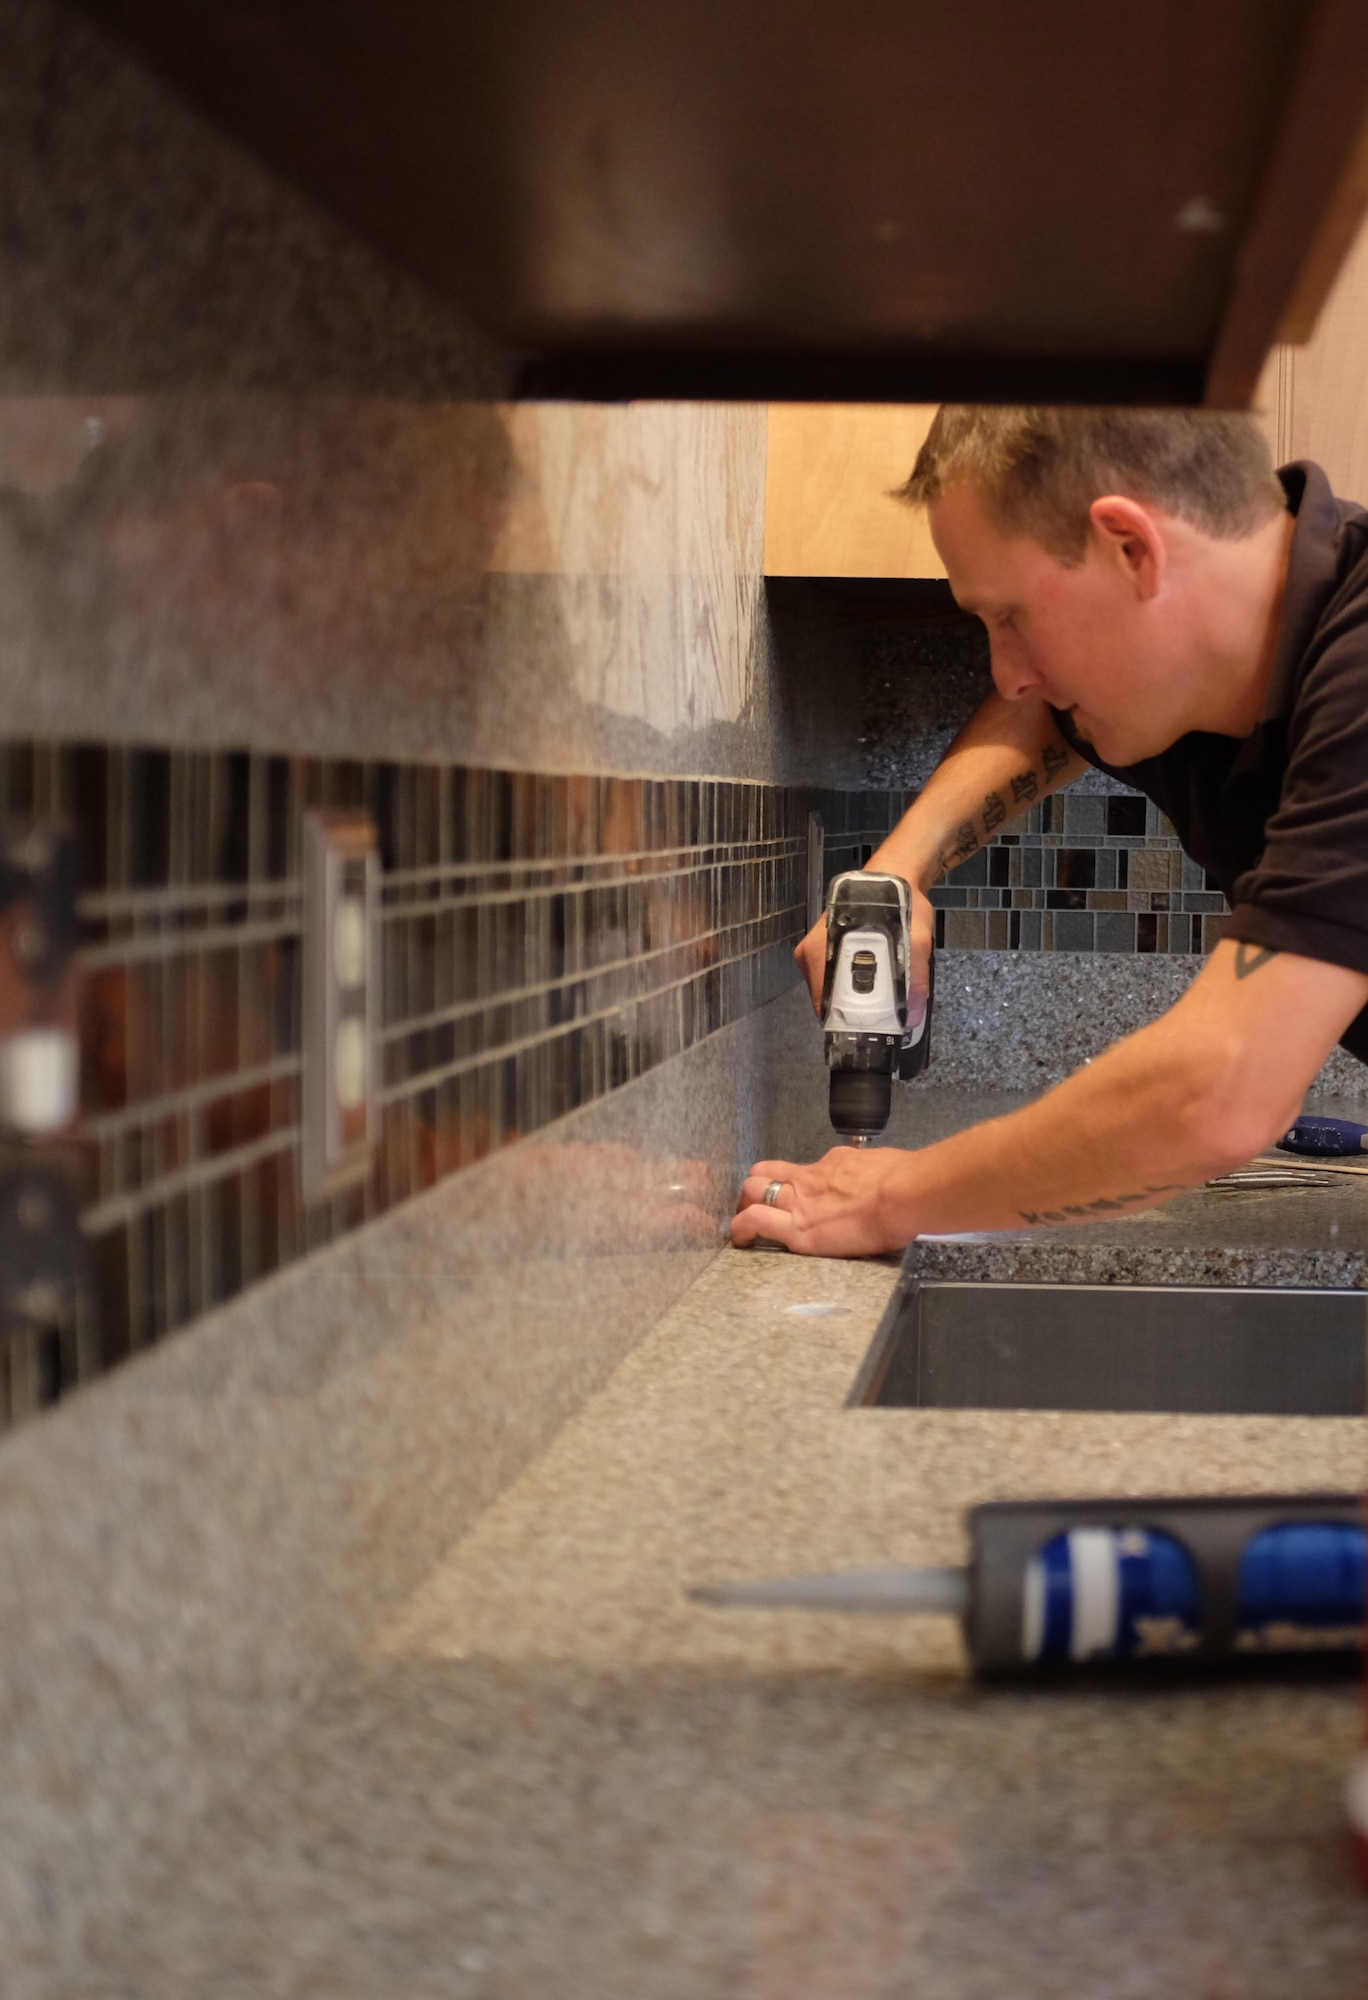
(1286, 1236)
(333, 1658)
(554, 1775)
(186, 1548)
(256, 486)
(1008, 1026)
(295, 1745)
(1026, 1020)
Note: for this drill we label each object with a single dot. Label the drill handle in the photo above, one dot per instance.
(916, 1055)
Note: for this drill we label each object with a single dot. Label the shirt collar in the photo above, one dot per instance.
(1312, 577)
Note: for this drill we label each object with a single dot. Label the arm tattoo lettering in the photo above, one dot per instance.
(1249, 957)
(1024, 787)
(1054, 757)
(1047, 1217)
(961, 847)
(994, 811)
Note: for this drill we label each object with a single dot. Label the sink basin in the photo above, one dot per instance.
(1208, 1349)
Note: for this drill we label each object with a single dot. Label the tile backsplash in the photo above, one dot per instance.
(1083, 871)
(546, 938)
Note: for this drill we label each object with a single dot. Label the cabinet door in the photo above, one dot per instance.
(1315, 398)
(829, 475)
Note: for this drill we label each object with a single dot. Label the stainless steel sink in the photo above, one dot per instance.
(1215, 1350)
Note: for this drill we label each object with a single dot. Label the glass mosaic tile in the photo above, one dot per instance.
(546, 938)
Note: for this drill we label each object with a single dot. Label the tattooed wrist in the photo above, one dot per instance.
(1088, 1211)
(1054, 757)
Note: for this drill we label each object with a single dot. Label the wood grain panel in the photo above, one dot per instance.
(1309, 206)
(828, 510)
(1327, 395)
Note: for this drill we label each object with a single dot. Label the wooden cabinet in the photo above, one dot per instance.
(831, 467)
(1315, 398)
(829, 474)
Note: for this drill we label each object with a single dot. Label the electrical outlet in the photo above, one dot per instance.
(39, 1003)
(341, 999)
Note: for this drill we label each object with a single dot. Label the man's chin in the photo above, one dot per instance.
(1114, 747)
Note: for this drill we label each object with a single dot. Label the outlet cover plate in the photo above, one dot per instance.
(341, 1000)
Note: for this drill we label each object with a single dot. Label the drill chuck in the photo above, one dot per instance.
(861, 1100)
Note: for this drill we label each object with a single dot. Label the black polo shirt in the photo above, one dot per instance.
(1280, 818)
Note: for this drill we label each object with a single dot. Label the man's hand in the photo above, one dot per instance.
(810, 958)
(1201, 1090)
(831, 1209)
(810, 955)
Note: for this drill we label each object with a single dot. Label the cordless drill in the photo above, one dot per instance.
(864, 1001)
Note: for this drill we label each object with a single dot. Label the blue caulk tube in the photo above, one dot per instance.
(1128, 1594)
(1054, 1583)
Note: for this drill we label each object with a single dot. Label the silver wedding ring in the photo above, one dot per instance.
(772, 1194)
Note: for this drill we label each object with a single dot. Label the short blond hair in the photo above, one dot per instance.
(1038, 470)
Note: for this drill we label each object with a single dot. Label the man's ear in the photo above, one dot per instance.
(1129, 535)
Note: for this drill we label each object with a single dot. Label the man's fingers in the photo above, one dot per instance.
(810, 956)
(775, 1224)
(760, 1179)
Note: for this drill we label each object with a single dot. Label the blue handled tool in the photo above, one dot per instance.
(1326, 1136)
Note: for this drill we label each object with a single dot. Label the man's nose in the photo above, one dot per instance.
(1013, 676)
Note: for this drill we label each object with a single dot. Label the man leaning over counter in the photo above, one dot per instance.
(1160, 604)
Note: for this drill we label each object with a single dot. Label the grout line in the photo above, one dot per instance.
(164, 945)
(107, 1125)
(100, 904)
(126, 1208)
(638, 860)
(462, 1010)
(413, 1086)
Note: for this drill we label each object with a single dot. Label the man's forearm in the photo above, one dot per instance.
(1008, 755)
(1115, 1138)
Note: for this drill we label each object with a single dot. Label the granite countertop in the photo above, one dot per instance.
(549, 1773)
(537, 1769)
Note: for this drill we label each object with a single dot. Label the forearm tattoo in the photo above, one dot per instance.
(1088, 1211)
(1025, 786)
(1249, 957)
(1025, 789)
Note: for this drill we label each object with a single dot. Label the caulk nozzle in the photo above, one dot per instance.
(877, 1592)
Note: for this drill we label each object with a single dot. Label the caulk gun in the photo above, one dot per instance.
(1060, 1583)
(869, 1038)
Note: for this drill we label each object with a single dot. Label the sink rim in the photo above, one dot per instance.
(893, 1327)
